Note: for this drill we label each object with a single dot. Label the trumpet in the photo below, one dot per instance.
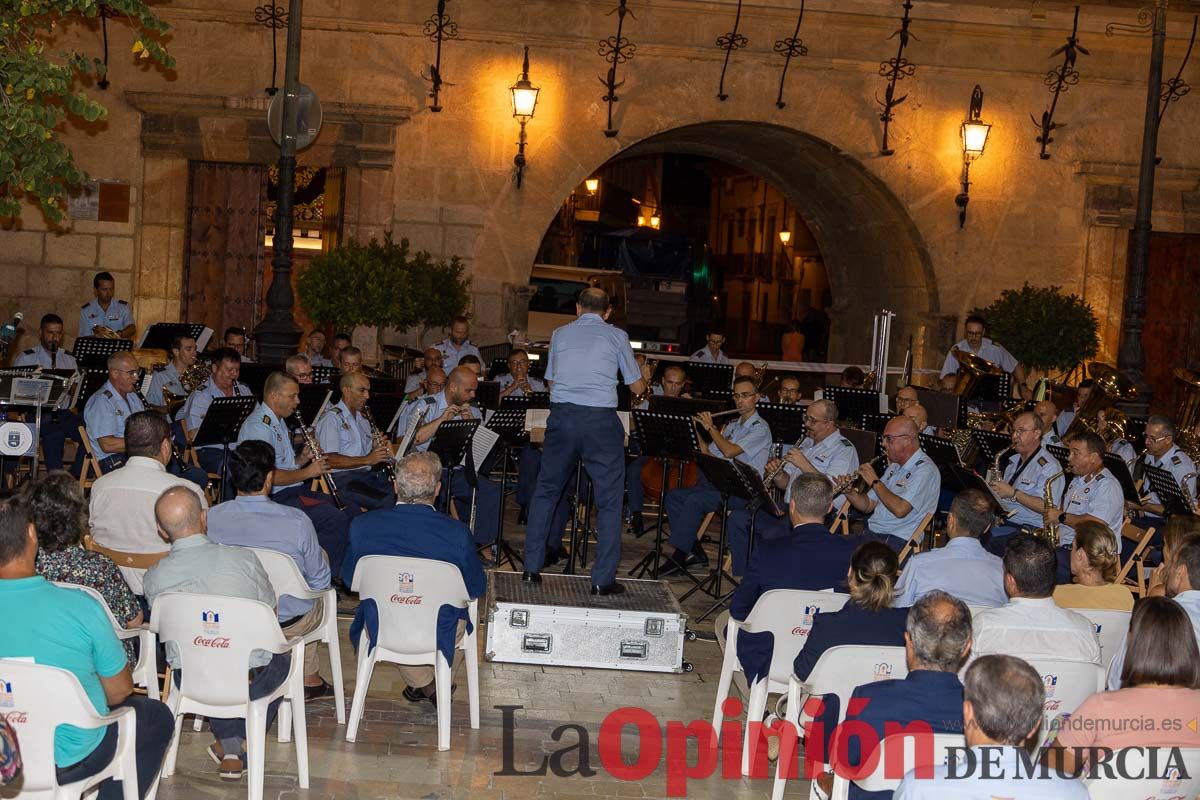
(855, 482)
(389, 466)
(310, 441)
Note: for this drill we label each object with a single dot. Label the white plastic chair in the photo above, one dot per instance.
(839, 671)
(286, 579)
(45, 697)
(408, 592)
(1111, 627)
(787, 614)
(145, 672)
(878, 781)
(1171, 787)
(214, 675)
(1068, 684)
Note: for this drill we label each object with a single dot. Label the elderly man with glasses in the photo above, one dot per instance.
(898, 501)
(1021, 485)
(823, 452)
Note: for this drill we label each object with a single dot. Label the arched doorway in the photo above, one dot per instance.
(872, 250)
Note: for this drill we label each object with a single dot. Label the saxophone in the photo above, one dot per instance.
(995, 473)
(1049, 532)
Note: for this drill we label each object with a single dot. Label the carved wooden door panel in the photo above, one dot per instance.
(1172, 333)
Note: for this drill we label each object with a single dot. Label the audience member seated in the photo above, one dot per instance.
(1094, 566)
(936, 642)
(414, 528)
(252, 519)
(66, 628)
(198, 565)
(1159, 681)
(122, 503)
(58, 511)
(1178, 530)
(1031, 625)
(1002, 711)
(1182, 576)
(962, 568)
(810, 558)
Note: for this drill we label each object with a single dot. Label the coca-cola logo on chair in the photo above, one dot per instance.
(407, 599)
(219, 642)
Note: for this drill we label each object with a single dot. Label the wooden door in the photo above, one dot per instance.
(225, 250)
(1172, 334)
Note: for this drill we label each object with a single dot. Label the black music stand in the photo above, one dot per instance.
(665, 437)
(312, 400)
(866, 443)
(384, 408)
(325, 375)
(510, 427)
(1163, 482)
(1062, 454)
(991, 443)
(159, 335)
(785, 421)
(255, 378)
(875, 422)
(684, 406)
(221, 425)
(852, 403)
(43, 393)
(1120, 470)
(708, 377)
(451, 442)
(969, 479)
(487, 395)
(944, 410)
(92, 352)
(90, 382)
(531, 400)
(992, 391)
(499, 366)
(944, 454)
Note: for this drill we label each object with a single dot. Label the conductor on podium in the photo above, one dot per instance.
(585, 358)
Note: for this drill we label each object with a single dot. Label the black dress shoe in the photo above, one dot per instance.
(552, 558)
(609, 589)
(414, 695)
(323, 689)
(673, 564)
(694, 559)
(523, 516)
(636, 526)
(531, 577)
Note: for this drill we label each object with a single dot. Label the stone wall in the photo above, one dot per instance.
(444, 180)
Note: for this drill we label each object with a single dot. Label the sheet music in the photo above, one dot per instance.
(624, 417)
(147, 377)
(391, 426)
(536, 418)
(482, 442)
(324, 407)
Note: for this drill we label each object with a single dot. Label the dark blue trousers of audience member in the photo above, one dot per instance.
(737, 534)
(686, 509)
(487, 503)
(185, 471)
(153, 730)
(527, 475)
(367, 488)
(333, 526)
(231, 733)
(595, 436)
(57, 427)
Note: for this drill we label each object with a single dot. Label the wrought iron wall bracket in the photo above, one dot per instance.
(895, 70)
(1174, 89)
(616, 50)
(438, 28)
(272, 17)
(729, 42)
(1059, 81)
(107, 12)
(790, 48)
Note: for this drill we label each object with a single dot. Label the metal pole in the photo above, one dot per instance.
(1131, 358)
(278, 335)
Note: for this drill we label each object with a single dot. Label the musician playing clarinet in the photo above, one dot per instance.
(352, 446)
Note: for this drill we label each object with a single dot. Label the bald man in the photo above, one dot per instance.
(352, 449)
(917, 413)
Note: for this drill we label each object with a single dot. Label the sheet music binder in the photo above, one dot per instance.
(665, 435)
(1163, 482)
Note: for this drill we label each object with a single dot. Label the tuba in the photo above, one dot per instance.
(971, 368)
(1109, 387)
(1188, 415)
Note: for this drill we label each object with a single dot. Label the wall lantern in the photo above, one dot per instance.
(974, 140)
(785, 238)
(524, 103)
(592, 185)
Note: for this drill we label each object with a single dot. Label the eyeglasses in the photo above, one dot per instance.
(886, 438)
(811, 419)
(1024, 430)
(1157, 439)
(302, 374)
(126, 371)
(744, 395)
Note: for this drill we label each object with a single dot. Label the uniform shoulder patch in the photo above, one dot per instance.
(1176, 460)
(1042, 461)
(107, 394)
(338, 409)
(28, 352)
(122, 303)
(84, 306)
(847, 443)
(266, 419)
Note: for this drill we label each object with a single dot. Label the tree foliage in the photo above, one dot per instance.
(1042, 327)
(38, 91)
(382, 284)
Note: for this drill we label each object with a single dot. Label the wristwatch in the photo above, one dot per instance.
(1062, 518)
(875, 483)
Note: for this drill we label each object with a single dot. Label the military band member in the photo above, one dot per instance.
(985, 348)
(454, 402)
(920, 417)
(906, 396)
(349, 360)
(899, 501)
(1118, 445)
(744, 369)
(57, 426)
(235, 339)
(1082, 393)
(1164, 453)
(351, 448)
(746, 438)
(104, 311)
(789, 390)
(225, 367)
(852, 378)
(823, 452)
(433, 383)
(1022, 483)
(340, 342)
(518, 382)
(472, 362)
(107, 409)
(1092, 494)
(585, 359)
(183, 356)
(298, 367)
(432, 359)
(457, 344)
(314, 346)
(673, 381)
(1047, 412)
(293, 474)
(712, 353)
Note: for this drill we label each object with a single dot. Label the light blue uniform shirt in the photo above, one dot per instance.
(38, 356)
(1032, 481)
(753, 436)
(534, 383)
(1101, 497)
(196, 406)
(451, 353)
(105, 415)
(317, 361)
(1063, 423)
(1050, 437)
(339, 431)
(437, 405)
(1007, 775)
(832, 456)
(256, 521)
(1190, 601)
(118, 316)
(705, 355)
(990, 350)
(263, 425)
(165, 378)
(585, 357)
(962, 568)
(917, 481)
(1179, 464)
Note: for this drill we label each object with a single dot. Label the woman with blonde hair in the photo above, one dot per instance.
(1095, 562)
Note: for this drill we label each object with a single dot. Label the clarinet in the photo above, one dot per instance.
(311, 442)
(389, 466)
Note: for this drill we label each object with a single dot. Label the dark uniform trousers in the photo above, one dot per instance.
(333, 526)
(686, 509)
(596, 436)
(57, 427)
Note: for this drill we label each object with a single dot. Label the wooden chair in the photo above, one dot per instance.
(914, 541)
(122, 558)
(91, 464)
(842, 519)
(1136, 562)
